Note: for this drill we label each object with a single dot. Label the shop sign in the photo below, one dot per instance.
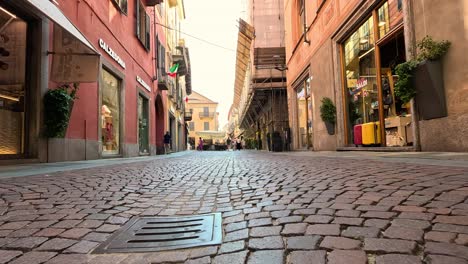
(111, 53)
(145, 85)
(361, 83)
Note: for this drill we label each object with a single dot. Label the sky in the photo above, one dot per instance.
(213, 68)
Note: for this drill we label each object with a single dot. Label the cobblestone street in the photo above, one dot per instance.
(277, 208)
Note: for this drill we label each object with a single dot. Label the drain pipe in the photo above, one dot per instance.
(410, 49)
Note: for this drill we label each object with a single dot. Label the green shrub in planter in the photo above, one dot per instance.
(58, 104)
(328, 114)
(428, 49)
(328, 110)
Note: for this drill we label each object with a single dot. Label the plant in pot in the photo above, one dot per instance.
(422, 78)
(328, 114)
(58, 104)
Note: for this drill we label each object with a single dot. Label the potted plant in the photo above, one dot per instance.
(328, 114)
(58, 104)
(422, 79)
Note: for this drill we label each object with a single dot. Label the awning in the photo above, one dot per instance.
(74, 58)
(244, 41)
(51, 11)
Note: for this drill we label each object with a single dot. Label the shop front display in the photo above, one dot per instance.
(13, 39)
(375, 116)
(304, 114)
(143, 129)
(110, 114)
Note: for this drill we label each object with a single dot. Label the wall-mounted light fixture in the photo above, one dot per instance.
(305, 34)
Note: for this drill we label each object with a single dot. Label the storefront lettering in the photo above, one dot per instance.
(145, 85)
(361, 83)
(111, 53)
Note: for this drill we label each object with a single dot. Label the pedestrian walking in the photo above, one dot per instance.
(200, 144)
(268, 141)
(167, 142)
(228, 143)
(238, 144)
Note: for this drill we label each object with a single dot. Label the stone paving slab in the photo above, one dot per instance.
(277, 208)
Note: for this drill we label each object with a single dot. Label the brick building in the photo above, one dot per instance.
(348, 50)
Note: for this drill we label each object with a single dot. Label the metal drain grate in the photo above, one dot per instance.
(164, 233)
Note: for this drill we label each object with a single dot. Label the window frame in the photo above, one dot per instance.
(142, 25)
(118, 4)
(206, 126)
(161, 58)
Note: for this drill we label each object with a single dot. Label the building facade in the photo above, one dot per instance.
(260, 88)
(205, 119)
(348, 50)
(111, 49)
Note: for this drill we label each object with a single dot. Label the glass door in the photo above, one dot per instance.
(143, 130)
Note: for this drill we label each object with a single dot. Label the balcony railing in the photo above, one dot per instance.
(207, 114)
(163, 82)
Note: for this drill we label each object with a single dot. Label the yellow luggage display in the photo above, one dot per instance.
(371, 133)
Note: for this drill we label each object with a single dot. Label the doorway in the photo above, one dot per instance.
(159, 125)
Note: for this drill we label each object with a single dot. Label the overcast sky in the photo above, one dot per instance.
(213, 68)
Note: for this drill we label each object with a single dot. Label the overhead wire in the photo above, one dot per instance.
(195, 37)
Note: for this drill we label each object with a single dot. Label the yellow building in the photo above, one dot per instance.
(204, 122)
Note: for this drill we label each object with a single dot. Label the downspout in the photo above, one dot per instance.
(410, 49)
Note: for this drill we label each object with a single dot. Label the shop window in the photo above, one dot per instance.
(389, 16)
(143, 25)
(304, 110)
(365, 104)
(206, 126)
(13, 93)
(361, 78)
(110, 113)
(143, 125)
(122, 5)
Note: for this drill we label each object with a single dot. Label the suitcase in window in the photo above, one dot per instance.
(357, 135)
(371, 133)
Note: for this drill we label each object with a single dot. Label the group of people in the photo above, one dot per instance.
(237, 143)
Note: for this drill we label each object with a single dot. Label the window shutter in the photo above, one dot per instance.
(156, 43)
(147, 32)
(137, 10)
(163, 57)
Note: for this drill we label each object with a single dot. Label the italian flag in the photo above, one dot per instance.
(173, 70)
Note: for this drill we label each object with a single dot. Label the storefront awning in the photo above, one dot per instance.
(55, 14)
(244, 41)
(74, 58)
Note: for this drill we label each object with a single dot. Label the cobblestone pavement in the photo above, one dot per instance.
(276, 209)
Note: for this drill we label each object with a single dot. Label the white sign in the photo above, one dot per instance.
(111, 53)
(140, 81)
